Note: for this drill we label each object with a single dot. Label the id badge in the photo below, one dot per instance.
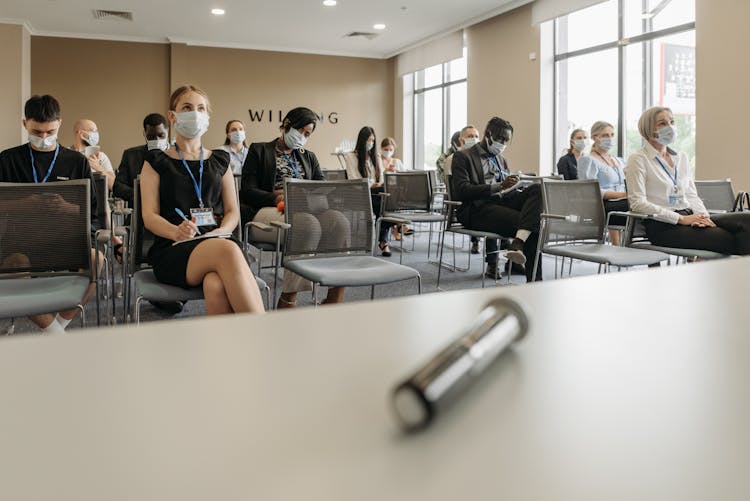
(203, 217)
(676, 198)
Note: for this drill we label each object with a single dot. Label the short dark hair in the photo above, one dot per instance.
(154, 120)
(495, 126)
(299, 118)
(42, 108)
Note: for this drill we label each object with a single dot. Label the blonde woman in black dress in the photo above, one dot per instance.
(187, 190)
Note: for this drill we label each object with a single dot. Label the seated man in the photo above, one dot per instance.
(155, 132)
(483, 183)
(86, 141)
(40, 160)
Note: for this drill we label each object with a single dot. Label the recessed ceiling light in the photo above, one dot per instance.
(329, 3)
(379, 26)
(217, 12)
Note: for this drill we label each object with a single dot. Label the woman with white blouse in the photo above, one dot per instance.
(660, 184)
(608, 170)
(236, 145)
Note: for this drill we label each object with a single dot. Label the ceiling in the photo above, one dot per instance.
(283, 25)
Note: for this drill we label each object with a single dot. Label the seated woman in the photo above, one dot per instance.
(608, 170)
(236, 145)
(660, 184)
(567, 165)
(188, 180)
(266, 168)
(364, 163)
(392, 164)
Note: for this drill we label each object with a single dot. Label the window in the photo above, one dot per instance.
(617, 58)
(437, 101)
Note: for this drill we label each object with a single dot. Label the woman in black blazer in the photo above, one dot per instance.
(567, 165)
(266, 168)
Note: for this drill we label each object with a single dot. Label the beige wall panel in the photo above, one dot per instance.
(503, 82)
(14, 81)
(722, 104)
(115, 84)
(357, 91)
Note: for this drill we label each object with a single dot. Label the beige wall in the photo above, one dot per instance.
(114, 84)
(503, 82)
(14, 82)
(722, 104)
(357, 90)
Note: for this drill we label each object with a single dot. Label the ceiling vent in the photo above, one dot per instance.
(113, 14)
(362, 34)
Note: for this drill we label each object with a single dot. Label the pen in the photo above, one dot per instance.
(417, 400)
(182, 215)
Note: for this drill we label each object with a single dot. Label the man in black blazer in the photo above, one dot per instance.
(482, 180)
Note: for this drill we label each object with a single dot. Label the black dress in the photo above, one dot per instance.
(176, 189)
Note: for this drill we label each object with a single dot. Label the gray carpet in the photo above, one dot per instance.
(449, 281)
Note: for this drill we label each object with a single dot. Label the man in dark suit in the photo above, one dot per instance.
(155, 132)
(483, 182)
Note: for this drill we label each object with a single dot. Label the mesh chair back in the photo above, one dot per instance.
(334, 174)
(407, 191)
(717, 195)
(327, 218)
(432, 176)
(140, 236)
(102, 199)
(580, 199)
(45, 228)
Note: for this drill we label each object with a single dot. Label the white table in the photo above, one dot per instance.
(633, 386)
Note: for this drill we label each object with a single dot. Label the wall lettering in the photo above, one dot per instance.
(277, 116)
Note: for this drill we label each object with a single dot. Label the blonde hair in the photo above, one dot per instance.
(648, 120)
(599, 126)
(388, 141)
(179, 92)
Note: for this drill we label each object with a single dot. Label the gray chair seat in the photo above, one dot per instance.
(417, 217)
(607, 254)
(674, 251)
(350, 271)
(25, 296)
(148, 287)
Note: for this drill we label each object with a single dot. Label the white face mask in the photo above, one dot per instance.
(470, 142)
(667, 135)
(495, 147)
(92, 138)
(606, 143)
(191, 124)
(294, 139)
(44, 143)
(157, 144)
(369, 145)
(579, 144)
(237, 136)
(387, 153)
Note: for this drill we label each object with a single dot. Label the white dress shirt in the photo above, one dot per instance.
(651, 183)
(236, 159)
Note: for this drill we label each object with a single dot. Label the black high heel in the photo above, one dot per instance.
(385, 249)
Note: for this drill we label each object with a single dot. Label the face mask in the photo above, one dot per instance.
(470, 142)
(92, 138)
(295, 139)
(605, 143)
(191, 124)
(579, 144)
(237, 136)
(369, 145)
(42, 143)
(667, 135)
(157, 144)
(387, 153)
(495, 147)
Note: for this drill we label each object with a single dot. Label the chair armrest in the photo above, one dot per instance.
(554, 216)
(279, 224)
(717, 211)
(260, 226)
(396, 220)
(454, 203)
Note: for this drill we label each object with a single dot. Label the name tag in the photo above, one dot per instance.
(677, 197)
(204, 216)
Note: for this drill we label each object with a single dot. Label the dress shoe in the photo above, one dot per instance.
(171, 307)
(515, 252)
(475, 247)
(493, 272)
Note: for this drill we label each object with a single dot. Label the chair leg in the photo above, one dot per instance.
(83, 314)
(96, 278)
(484, 260)
(315, 295)
(372, 292)
(267, 290)
(419, 284)
(137, 308)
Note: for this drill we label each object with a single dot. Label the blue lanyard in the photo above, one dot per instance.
(197, 186)
(51, 166)
(674, 179)
(500, 173)
(292, 164)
